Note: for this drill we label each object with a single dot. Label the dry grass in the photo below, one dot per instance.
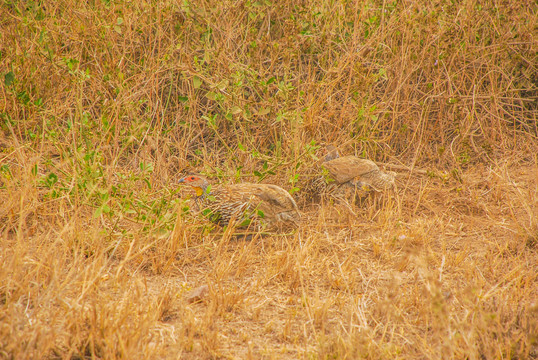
(104, 105)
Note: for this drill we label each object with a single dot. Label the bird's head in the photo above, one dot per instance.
(198, 183)
(331, 153)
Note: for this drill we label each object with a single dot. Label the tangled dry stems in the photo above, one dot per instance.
(105, 104)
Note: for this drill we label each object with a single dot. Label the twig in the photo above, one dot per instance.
(404, 167)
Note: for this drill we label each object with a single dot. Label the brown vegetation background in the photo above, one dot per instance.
(105, 104)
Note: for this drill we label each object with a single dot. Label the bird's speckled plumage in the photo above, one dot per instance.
(348, 177)
(349, 168)
(255, 206)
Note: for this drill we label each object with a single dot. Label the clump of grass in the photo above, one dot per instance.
(105, 104)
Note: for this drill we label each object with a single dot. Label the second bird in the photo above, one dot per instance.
(348, 178)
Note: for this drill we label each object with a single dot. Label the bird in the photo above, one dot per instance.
(255, 206)
(347, 177)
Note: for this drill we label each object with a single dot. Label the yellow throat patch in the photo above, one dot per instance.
(199, 191)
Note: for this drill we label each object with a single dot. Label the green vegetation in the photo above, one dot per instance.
(105, 104)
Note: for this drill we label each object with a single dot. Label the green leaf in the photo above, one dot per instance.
(52, 179)
(214, 216)
(196, 82)
(9, 78)
(264, 111)
(235, 110)
(147, 183)
(97, 212)
(261, 214)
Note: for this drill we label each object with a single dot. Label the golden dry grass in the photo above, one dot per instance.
(104, 105)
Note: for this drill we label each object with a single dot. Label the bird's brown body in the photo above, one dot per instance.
(254, 206)
(348, 178)
(351, 168)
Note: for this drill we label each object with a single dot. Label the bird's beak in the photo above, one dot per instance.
(182, 180)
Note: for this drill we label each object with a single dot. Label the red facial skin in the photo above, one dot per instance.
(188, 179)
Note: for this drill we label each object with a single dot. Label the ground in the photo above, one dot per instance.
(105, 105)
(437, 268)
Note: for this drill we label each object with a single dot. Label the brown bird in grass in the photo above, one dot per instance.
(254, 206)
(349, 177)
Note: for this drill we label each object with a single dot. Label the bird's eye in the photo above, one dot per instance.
(192, 177)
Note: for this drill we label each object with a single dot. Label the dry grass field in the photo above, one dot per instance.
(105, 104)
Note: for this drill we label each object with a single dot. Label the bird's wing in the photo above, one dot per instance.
(275, 196)
(346, 168)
